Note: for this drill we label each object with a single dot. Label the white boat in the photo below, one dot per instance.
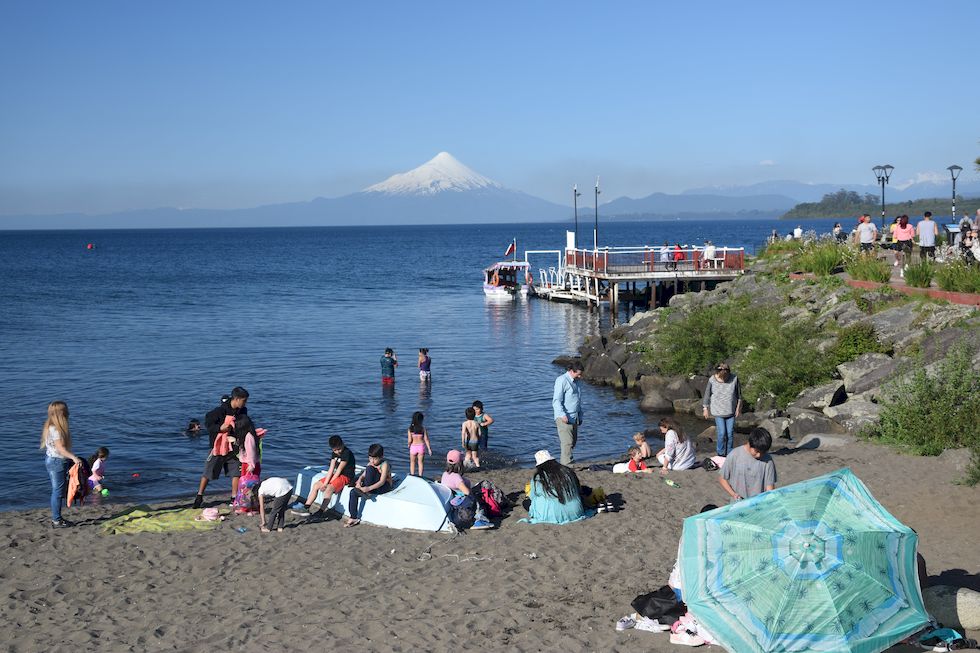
(413, 504)
(507, 279)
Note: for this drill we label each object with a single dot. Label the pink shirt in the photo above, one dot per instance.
(908, 233)
(453, 481)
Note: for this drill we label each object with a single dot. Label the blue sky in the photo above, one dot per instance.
(115, 105)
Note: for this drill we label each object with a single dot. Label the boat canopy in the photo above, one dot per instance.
(508, 265)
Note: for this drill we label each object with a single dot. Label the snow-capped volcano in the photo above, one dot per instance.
(443, 173)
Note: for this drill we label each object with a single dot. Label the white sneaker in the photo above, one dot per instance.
(649, 625)
(625, 623)
(685, 638)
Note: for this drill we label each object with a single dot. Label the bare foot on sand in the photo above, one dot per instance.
(266, 530)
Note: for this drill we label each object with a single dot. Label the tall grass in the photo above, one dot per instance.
(919, 275)
(822, 257)
(867, 267)
(958, 276)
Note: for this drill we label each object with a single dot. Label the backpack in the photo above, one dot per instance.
(462, 511)
(491, 497)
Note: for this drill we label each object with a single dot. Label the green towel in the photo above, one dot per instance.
(144, 519)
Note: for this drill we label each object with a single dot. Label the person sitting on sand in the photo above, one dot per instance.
(338, 475)
(678, 452)
(636, 463)
(554, 495)
(453, 479)
(749, 470)
(640, 439)
(375, 479)
(280, 491)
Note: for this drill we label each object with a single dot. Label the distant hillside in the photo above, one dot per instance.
(849, 204)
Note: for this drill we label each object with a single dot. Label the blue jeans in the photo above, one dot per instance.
(725, 428)
(58, 473)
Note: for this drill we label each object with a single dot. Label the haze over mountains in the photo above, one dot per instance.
(445, 191)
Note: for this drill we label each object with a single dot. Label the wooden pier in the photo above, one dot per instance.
(646, 275)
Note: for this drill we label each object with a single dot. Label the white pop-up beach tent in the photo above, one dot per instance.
(414, 503)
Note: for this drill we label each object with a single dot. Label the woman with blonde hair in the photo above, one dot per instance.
(56, 441)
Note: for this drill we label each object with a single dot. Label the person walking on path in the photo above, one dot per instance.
(221, 426)
(866, 233)
(567, 405)
(723, 401)
(388, 364)
(927, 231)
(903, 235)
(56, 442)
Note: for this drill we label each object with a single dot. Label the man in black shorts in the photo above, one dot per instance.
(214, 421)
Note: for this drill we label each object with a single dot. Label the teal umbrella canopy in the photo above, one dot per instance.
(816, 566)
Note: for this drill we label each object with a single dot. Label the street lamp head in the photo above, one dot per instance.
(888, 171)
(954, 171)
(879, 172)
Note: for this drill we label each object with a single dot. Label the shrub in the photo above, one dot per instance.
(958, 276)
(780, 247)
(822, 258)
(854, 340)
(784, 361)
(919, 275)
(927, 412)
(867, 267)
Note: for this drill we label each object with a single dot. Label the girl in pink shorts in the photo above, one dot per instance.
(418, 443)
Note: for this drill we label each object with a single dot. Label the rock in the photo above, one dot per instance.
(748, 421)
(653, 381)
(778, 427)
(635, 368)
(862, 365)
(958, 607)
(937, 345)
(824, 441)
(804, 422)
(654, 402)
(603, 370)
(939, 317)
(833, 312)
(958, 459)
(618, 353)
(565, 361)
(852, 315)
(792, 314)
(679, 387)
(894, 325)
(877, 377)
(689, 406)
(854, 415)
(706, 437)
(818, 398)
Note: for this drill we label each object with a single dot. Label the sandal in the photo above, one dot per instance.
(352, 522)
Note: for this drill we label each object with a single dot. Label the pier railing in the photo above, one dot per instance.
(633, 260)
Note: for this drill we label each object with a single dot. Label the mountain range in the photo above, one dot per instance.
(445, 191)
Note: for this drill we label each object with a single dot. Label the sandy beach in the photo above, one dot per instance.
(319, 586)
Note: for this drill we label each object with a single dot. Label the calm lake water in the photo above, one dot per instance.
(150, 328)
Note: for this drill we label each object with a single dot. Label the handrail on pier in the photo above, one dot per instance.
(626, 260)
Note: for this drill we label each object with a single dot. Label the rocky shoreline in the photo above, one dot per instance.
(911, 333)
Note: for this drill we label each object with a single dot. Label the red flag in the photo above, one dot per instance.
(511, 248)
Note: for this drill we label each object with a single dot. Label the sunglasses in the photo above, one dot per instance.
(723, 369)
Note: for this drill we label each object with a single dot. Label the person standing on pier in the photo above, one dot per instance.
(567, 405)
(388, 364)
(723, 401)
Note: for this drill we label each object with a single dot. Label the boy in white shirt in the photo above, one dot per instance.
(280, 491)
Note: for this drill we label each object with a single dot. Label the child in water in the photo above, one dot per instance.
(97, 464)
(641, 441)
(484, 421)
(470, 437)
(418, 443)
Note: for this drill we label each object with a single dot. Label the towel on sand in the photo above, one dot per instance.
(143, 519)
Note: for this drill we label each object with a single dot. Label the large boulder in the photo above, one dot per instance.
(635, 368)
(843, 313)
(854, 415)
(804, 422)
(688, 406)
(877, 376)
(618, 353)
(652, 381)
(958, 607)
(565, 361)
(654, 402)
(748, 421)
(895, 326)
(818, 398)
(935, 346)
(680, 387)
(865, 363)
(602, 369)
(778, 427)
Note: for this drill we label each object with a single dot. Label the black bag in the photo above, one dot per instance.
(462, 511)
(708, 465)
(657, 603)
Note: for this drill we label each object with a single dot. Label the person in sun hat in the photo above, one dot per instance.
(555, 493)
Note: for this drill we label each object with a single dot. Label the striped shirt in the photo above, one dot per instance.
(722, 397)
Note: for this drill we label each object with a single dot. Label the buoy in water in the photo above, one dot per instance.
(136, 474)
(90, 246)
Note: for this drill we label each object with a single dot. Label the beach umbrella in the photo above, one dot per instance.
(815, 566)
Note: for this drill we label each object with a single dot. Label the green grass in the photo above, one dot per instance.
(926, 413)
(822, 257)
(867, 267)
(919, 275)
(958, 276)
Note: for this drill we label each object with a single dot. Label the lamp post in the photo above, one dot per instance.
(575, 196)
(954, 172)
(882, 173)
(595, 229)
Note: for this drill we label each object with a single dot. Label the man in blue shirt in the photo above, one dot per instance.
(388, 364)
(567, 406)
